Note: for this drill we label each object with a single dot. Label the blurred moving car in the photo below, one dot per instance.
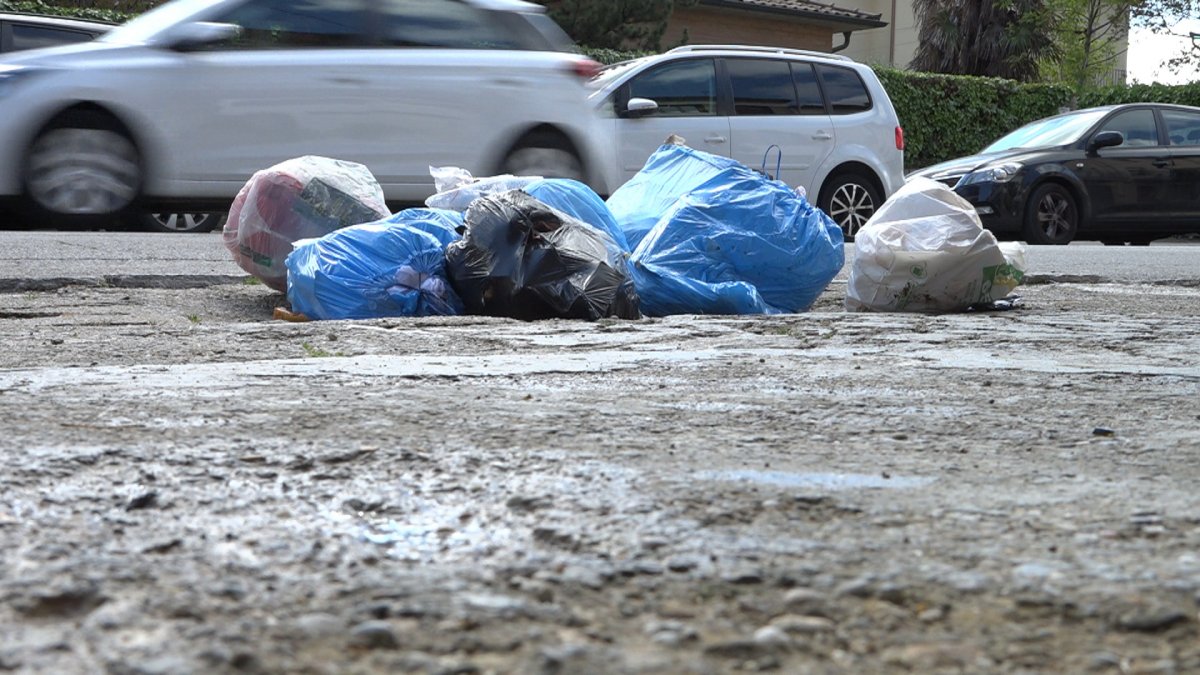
(20, 31)
(829, 117)
(1122, 173)
(105, 127)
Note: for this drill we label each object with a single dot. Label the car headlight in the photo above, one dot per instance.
(11, 76)
(1000, 173)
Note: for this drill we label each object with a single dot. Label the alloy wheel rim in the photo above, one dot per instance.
(183, 222)
(1053, 212)
(83, 171)
(851, 207)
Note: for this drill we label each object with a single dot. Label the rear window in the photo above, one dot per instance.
(1182, 127)
(762, 87)
(844, 90)
(808, 92)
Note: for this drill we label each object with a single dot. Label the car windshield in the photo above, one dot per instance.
(1061, 130)
(144, 27)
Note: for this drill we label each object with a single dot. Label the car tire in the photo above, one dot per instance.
(83, 169)
(546, 154)
(1051, 216)
(181, 222)
(850, 198)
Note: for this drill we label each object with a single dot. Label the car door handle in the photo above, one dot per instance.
(715, 139)
(1161, 163)
(822, 136)
(346, 80)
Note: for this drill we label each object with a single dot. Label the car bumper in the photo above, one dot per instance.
(999, 205)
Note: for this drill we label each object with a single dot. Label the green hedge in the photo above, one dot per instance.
(82, 11)
(947, 116)
(1183, 94)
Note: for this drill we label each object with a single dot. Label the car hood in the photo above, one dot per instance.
(965, 165)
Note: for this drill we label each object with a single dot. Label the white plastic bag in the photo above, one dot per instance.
(457, 188)
(925, 250)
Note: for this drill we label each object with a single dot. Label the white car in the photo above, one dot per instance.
(93, 130)
(811, 119)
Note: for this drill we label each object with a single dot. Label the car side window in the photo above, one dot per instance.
(1182, 127)
(762, 87)
(844, 90)
(440, 23)
(808, 92)
(1137, 126)
(34, 37)
(681, 88)
(297, 24)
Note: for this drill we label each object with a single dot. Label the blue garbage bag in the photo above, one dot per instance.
(443, 224)
(580, 202)
(742, 245)
(670, 173)
(392, 267)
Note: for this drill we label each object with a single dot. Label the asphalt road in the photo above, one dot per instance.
(87, 255)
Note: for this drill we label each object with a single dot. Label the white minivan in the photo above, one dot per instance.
(811, 119)
(180, 106)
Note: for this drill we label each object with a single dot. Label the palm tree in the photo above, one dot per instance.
(996, 38)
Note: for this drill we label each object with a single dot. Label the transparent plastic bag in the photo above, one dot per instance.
(457, 188)
(301, 198)
(925, 250)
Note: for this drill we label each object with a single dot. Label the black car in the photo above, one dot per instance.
(1117, 174)
(20, 31)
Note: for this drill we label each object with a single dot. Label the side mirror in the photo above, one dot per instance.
(1105, 139)
(197, 34)
(640, 107)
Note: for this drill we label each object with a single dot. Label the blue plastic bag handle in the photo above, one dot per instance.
(778, 162)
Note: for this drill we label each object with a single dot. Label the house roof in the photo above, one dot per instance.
(825, 13)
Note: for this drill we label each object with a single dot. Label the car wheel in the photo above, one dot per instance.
(82, 169)
(850, 199)
(181, 222)
(1051, 216)
(545, 154)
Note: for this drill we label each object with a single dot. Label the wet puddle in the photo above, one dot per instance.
(828, 481)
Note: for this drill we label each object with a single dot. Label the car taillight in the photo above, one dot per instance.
(899, 138)
(586, 68)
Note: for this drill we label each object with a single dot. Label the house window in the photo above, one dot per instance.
(845, 90)
(680, 88)
(762, 87)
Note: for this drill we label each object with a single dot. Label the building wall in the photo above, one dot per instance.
(893, 45)
(709, 25)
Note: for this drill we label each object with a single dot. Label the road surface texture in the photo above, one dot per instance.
(188, 485)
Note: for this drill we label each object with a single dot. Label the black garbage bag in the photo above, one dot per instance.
(522, 259)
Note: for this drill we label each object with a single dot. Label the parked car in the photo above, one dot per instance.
(829, 119)
(20, 31)
(179, 107)
(1121, 173)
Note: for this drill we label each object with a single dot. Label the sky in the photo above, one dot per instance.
(1148, 51)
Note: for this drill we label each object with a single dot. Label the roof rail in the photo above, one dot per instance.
(759, 48)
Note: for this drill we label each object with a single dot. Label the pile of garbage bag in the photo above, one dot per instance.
(691, 233)
(925, 250)
(297, 199)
